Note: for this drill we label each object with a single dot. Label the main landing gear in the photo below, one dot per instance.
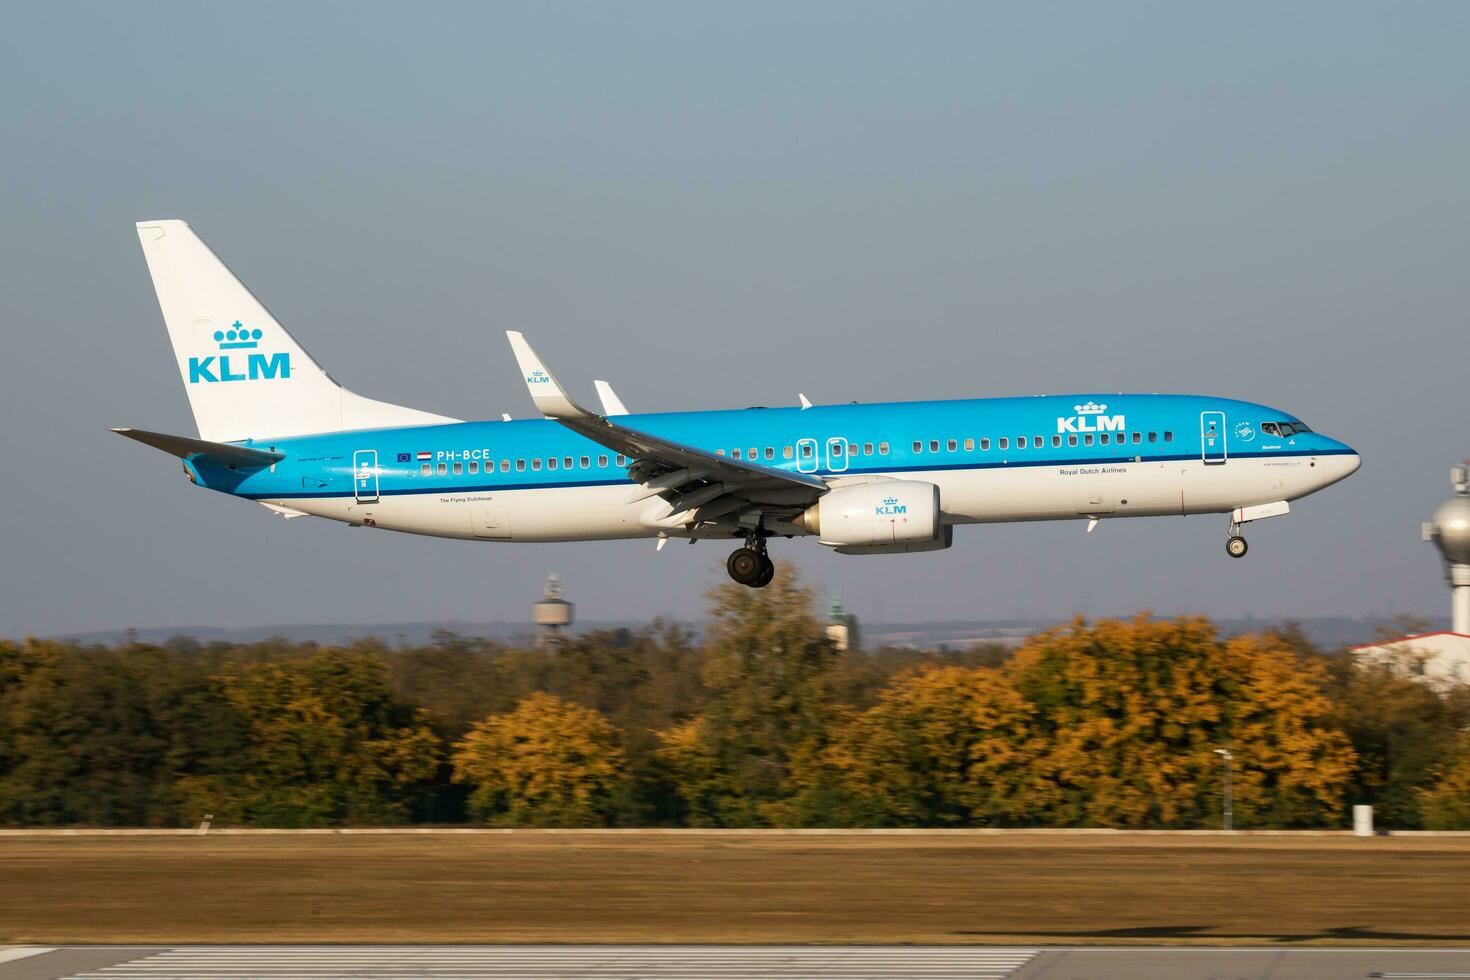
(1235, 545)
(751, 565)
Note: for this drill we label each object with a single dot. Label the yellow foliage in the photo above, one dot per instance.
(548, 763)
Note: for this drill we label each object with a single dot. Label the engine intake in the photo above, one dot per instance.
(889, 515)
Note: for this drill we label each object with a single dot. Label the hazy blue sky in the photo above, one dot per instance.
(718, 206)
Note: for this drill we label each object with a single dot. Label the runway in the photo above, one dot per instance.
(303, 962)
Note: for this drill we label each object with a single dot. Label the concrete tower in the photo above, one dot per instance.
(552, 615)
(1450, 532)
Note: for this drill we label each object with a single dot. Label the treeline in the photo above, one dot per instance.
(761, 723)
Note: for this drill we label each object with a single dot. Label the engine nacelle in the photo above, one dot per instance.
(876, 518)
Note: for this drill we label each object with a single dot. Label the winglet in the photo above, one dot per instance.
(806, 402)
(550, 397)
(611, 403)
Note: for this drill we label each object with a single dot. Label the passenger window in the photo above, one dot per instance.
(969, 445)
(1039, 442)
(443, 469)
(835, 448)
(427, 469)
(735, 453)
(1056, 442)
(952, 445)
(1153, 437)
(602, 461)
(1020, 442)
(622, 460)
(586, 462)
(1103, 438)
(520, 466)
(806, 450)
(852, 449)
(934, 445)
(882, 449)
(474, 467)
(1005, 443)
(770, 453)
(536, 463)
(505, 466)
(867, 449)
(1087, 439)
(918, 446)
(985, 444)
(1137, 438)
(1168, 436)
(566, 462)
(719, 452)
(786, 452)
(551, 463)
(458, 469)
(1071, 440)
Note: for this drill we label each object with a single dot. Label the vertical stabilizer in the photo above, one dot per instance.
(246, 377)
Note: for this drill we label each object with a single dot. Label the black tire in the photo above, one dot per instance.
(768, 572)
(745, 565)
(1236, 547)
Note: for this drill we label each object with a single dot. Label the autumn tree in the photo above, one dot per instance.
(1445, 802)
(1130, 715)
(325, 742)
(548, 763)
(944, 746)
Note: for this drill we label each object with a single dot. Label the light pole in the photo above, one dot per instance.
(1229, 814)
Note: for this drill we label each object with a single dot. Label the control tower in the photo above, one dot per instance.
(1450, 532)
(552, 615)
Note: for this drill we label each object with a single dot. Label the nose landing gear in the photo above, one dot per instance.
(750, 565)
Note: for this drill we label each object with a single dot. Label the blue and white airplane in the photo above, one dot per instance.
(871, 479)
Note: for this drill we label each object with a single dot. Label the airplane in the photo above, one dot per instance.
(863, 479)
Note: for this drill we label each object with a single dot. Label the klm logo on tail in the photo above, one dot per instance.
(246, 367)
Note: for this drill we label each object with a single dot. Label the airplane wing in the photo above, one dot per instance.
(697, 485)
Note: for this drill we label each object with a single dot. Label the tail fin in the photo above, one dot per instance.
(245, 375)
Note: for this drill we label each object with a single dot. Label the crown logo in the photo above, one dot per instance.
(889, 501)
(237, 337)
(1091, 408)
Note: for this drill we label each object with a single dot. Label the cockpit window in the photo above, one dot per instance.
(1271, 428)
(1284, 428)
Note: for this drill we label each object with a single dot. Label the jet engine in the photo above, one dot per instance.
(884, 517)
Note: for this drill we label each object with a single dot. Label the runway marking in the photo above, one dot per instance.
(583, 962)
(9, 954)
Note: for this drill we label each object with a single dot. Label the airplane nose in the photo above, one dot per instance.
(1339, 466)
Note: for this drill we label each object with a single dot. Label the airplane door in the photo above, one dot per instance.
(1212, 436)
(491, 519)
(837, 454)
(806, 455)
(365, 476)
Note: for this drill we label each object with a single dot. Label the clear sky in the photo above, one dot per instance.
(722, 205)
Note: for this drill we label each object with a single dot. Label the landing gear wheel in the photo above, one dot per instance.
(768, 572)
(1235, 546)
(746, 565)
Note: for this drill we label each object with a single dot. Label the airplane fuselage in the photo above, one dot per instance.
(995, 459)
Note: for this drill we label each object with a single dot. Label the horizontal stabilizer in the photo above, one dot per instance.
(202, 451)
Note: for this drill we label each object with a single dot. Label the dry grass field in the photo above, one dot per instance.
(635, 887)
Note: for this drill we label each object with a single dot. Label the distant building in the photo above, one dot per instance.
(552, 615)
(842, 628)
(1441, 658)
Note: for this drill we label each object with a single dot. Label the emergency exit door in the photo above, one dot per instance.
(1212, 436)
(365, 476)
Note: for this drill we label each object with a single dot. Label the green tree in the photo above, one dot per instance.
(771, 675)
(548, 763)
(326, 742)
